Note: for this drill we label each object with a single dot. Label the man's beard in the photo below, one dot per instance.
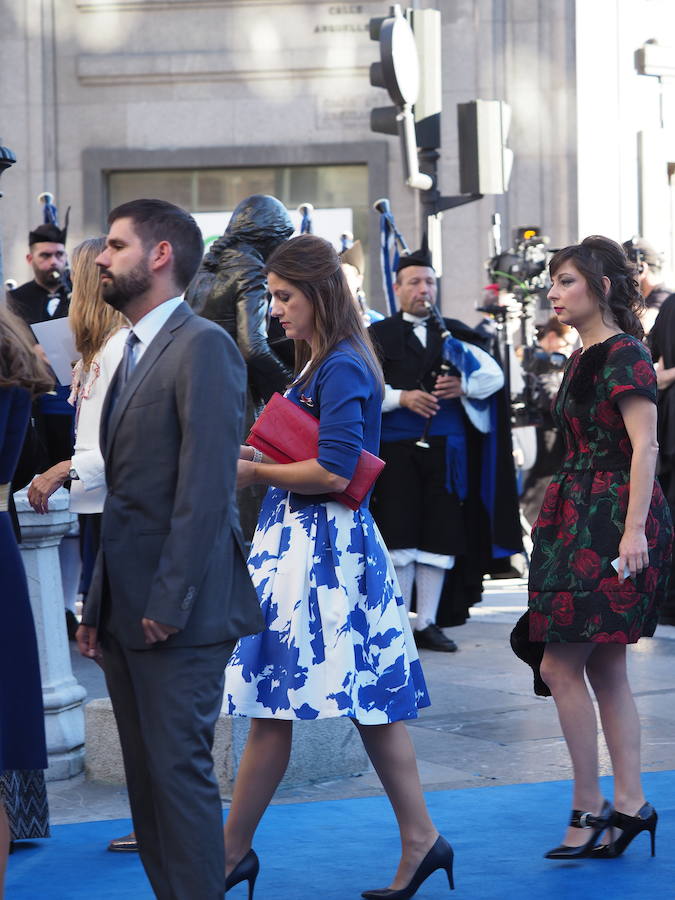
(51, 279)
(121, 290)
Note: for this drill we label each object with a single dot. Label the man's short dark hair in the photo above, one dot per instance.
(157, 220)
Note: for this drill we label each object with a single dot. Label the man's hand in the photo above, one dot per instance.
(420, 402)
(43, 486)
(87, 643)
(448, 387)
(155, 631)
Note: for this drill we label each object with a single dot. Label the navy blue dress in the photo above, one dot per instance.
(337, 640)
(22, 735)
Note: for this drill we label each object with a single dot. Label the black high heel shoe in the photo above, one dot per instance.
(439, 857)
(630, 826)
(580, 819)
(246, 870)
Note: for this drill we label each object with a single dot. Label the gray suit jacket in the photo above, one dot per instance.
(171, 546)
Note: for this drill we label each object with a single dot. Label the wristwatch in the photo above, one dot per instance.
(72, 474)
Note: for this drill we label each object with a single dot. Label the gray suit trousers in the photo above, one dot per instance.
(166, 702)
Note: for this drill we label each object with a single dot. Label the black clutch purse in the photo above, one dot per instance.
(531, 652)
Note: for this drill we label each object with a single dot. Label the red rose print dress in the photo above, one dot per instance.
(575, 595)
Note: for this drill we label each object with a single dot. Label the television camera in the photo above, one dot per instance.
(520, 284)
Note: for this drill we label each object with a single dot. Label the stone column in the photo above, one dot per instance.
(62, 694)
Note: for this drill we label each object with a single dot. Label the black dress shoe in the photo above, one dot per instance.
(126, 844)
(432, 638)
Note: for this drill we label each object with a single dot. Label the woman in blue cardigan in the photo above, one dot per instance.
(337, 640)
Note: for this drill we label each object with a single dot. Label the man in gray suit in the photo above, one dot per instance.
(171, 592)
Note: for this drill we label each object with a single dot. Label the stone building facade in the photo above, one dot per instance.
(205, 101)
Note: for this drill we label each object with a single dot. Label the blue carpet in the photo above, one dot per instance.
(333, 850)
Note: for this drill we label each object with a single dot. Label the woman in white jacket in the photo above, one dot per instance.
(100, 333)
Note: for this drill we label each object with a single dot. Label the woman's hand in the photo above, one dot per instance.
(246, 474)
(633, 554)
(43, 486)
(246, 452)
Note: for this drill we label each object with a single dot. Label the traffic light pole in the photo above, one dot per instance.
(409, 69)
(432, 203)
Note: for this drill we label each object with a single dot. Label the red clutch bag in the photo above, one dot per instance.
(286, 433)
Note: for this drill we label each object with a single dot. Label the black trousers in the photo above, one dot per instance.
(90, 541)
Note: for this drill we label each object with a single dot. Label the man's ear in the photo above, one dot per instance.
(29, 258)
(161, 255)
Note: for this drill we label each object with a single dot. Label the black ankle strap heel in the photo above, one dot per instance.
(630, 827)
(580, 819)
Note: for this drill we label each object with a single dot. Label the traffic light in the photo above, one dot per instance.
(426, 26)
(485, 162)
(398, 72)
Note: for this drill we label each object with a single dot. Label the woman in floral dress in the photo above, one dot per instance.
(337, 641)
(602, 541)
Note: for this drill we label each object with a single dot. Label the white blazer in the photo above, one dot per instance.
(87, 494)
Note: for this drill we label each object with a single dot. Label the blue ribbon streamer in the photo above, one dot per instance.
(389, 260)
(455, 353)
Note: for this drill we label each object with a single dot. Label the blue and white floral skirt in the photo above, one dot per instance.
(337, 641)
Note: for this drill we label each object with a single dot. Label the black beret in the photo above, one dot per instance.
(417, 258)
(47, 233)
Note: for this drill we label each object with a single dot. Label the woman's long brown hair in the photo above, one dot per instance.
(312, 265)
(91, 318)
(19, 365)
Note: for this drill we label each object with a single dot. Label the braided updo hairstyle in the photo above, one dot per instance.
(597, 256)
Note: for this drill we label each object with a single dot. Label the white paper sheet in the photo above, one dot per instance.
(56, 339)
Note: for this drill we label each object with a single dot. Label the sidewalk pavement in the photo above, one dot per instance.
(485, 726)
